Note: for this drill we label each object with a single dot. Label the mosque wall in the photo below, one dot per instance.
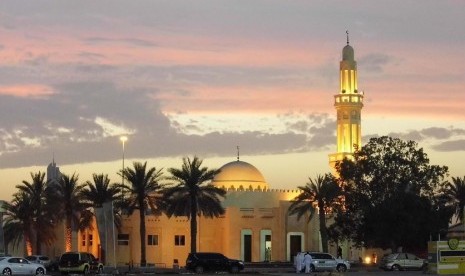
(259, 214)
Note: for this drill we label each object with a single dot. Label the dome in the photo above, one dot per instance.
(239, 175)
(348, 53)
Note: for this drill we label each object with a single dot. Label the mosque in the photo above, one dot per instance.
(256, 225)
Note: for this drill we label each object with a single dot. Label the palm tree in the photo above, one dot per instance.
(42, 226)
(454, 193)
(18, 221)
(142, 189)
(322, 192)
(193, 195)
(100, 191)
(65, 196)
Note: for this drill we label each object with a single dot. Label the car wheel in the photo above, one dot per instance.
(312, 268)
(341, 268)
(6, 271)
(395, 267)
(234, 269)
(99, 270)
(40, 271)
(199, 269)
(86, 270)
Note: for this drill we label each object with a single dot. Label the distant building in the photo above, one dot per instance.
(53, 171)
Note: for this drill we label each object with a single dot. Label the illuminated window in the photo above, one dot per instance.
(83, 240)
(90, 239)
(179, 240)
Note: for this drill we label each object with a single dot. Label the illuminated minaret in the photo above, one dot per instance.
(348, 104)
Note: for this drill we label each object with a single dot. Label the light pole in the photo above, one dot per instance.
(123, 140)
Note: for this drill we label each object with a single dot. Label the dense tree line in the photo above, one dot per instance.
(388, 196)
(39, 206)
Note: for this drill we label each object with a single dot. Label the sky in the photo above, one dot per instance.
(185, 78)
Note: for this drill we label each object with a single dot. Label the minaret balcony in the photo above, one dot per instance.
(348, 99)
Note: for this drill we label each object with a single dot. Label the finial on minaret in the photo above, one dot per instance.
(237, 153)
(347, 32)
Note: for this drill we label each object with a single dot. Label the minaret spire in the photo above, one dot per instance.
(237, 153)
(348, 103)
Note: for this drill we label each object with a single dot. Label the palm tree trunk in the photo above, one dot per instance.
(193, 221)
(38, 244)
(323, 230)
(68, 235)
(27, 238)
(143, 260)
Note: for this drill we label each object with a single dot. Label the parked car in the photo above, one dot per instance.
(207, 261)
(79, 262)
(18, 265)
(40, 259)
(402, 261)
(326, 262)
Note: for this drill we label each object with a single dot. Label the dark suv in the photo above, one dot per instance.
(79, 262)
(206, 261)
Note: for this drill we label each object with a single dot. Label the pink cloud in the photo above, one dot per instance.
(27, 90)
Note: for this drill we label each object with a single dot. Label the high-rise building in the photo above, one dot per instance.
(348, 103)
(53, 172)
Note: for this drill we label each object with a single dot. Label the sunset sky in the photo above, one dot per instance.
(184, 78)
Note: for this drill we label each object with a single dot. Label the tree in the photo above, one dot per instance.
(18, 221)
(142, 189)
(322, 192)
(390, 193)
(454, 193)
(193, 194)
(99, 191)
(65, 196)
(41, 214)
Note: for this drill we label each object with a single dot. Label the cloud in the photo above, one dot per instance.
(374, 62)
(454, 145)
(437, 133)
(81, 122)
(131, 41)
(319, 128)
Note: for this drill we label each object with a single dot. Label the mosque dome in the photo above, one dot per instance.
(239, 175)
(348, 53)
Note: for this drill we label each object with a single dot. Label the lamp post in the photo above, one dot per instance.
(123, 140)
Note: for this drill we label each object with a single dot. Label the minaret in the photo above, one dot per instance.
(348, 104)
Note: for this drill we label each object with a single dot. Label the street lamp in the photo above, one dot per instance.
(123, 140)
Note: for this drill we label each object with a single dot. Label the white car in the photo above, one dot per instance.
(403, 261)
(18, 265)
(326, 262)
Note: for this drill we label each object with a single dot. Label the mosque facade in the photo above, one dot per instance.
(256, 225)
